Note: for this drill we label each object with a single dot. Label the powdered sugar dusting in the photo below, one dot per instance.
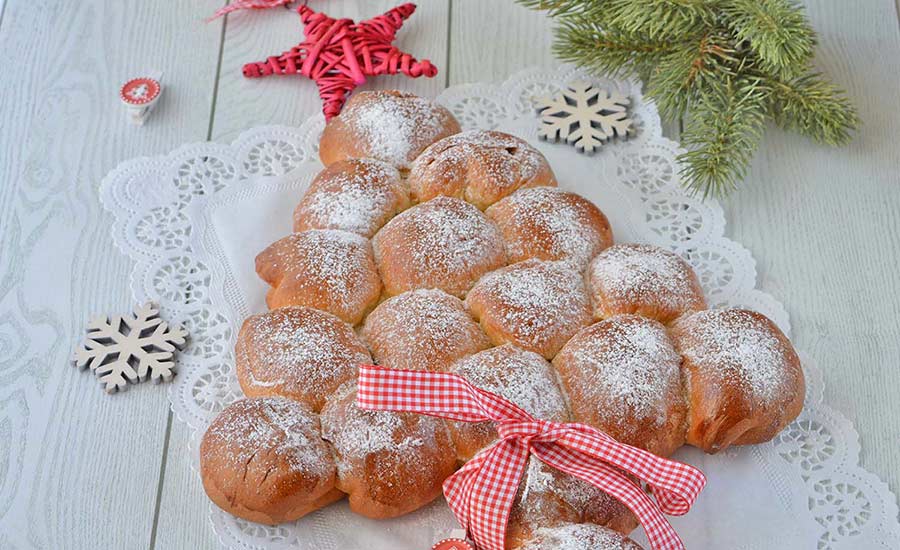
(537, 303)
(523, 377)
(357, 195)
(358, 433)
(336, 265)
(542, 486)
(268, 426)
(444, 243)
(578, 536)
(478, 165)
(551, 224)
(299, 352)
(623, 369)
(396, 127)
(422, 330)
(637, 274)
(737, 345)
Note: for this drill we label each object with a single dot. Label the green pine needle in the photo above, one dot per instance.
(814, 107)
(614, 53)
(725, 66)
(721, 135)
(777, 30)
(690, 69)
(660, 19)
(556, 7)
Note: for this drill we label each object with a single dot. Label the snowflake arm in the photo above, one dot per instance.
(127, 349)
(585, 116)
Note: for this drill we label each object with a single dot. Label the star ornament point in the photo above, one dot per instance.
(340, 54)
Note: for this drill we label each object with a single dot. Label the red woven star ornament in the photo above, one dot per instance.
(338, 54)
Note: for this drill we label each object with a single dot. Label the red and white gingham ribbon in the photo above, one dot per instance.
(481, 493)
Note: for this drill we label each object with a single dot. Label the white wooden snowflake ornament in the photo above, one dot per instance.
(125, 349)
(585, 116)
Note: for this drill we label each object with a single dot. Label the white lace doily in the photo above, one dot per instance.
(187, 219)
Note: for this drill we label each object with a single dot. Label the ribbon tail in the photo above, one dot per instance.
(675, 484)
(458, 488)
(482, 492)
(660, 533)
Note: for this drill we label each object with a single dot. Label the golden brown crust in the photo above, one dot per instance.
(623, 377)
(388, 463)
(422, 330)
(534, 304)
(574, 536)
(521, 376)
(550, 498)
(546, 223)
(263, 460)
(326, 269)
(297, 352)
(387, 125)
(356, 195)
(744, 379)
(479, 166)
(445, 243)
(645, 280)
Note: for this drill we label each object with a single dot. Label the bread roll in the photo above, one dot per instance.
(546, 223)
(643, 279)
(575, 536)
(623, 377)
(548, 497)
(534, 304)
(422, 330)
(744, 379)
(262, 459)
(388, 463)
(356, 195)
(523, 377)
(326, 269)
(479, 166)
(387, 125)
(297, 352)
(445, 243)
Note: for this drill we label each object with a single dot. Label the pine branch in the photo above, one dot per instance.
(721, 136)
(662, 19)
(815, 108)
(727, 65)
(614, 53)
(777, 31)
(564, 7)
(691, 68)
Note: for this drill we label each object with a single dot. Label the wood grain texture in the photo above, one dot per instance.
(80, 469)
(824, 226)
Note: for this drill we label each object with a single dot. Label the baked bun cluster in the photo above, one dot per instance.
(389, 125)
(478, 166)
(418, 247)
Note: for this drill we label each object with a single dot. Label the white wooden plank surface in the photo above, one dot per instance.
(824, 226)
(82, 470)
(78, 468)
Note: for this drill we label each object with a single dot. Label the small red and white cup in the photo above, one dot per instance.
(140, 95)
(456, 541)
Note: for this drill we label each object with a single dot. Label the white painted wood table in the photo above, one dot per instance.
(80, 469)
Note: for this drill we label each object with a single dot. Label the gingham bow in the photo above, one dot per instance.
(481, 493)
